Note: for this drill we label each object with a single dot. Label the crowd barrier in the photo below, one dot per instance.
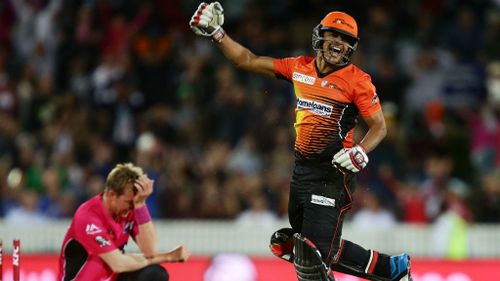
(209, 238)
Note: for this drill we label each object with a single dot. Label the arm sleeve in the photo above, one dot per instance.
(366, 98)
(135, 229)
(283, 68)
(92, 234)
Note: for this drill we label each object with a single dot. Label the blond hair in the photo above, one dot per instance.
(123, 177)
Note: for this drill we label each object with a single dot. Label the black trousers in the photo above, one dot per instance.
(320, 195)
(153, 272)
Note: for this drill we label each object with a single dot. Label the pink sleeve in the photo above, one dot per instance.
(135, 230)
(91, 233)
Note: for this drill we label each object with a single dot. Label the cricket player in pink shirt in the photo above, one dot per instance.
(93, 248)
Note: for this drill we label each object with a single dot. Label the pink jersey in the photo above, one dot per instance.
(92, 232)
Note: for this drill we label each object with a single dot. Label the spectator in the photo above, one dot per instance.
(258, 213)
(373, 215)
(451, 225)
(27, 211)
(486, 199)
(438, 177)
(82, 81)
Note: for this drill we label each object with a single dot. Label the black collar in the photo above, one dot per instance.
(335, 68)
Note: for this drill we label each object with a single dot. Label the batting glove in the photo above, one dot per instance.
(352, 159)
(208, 20)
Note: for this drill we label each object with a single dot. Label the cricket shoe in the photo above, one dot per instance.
(400, 268)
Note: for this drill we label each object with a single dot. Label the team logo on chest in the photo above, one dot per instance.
(303, 78)
(92, 229)
(330, 85)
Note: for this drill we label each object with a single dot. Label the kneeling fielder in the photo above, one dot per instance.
(93, 248)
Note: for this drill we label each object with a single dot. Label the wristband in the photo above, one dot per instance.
(142, 215)
(219, 33)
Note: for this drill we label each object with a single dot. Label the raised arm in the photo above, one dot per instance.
(207, 21)
(244, 59)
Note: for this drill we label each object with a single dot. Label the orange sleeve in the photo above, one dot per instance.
(365, 97)
(283, 68)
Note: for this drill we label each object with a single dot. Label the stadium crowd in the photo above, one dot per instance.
(85, 84)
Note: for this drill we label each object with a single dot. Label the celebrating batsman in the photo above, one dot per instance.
(331, 93)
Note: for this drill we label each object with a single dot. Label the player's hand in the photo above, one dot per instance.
(144, 186)
(352, 159)
(179, 254)
(208, 19)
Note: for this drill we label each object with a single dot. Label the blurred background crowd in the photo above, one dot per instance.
(85, 84)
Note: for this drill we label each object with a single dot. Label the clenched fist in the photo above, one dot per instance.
(208, 20)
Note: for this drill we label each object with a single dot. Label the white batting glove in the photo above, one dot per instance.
(208, 20)
(353, 159)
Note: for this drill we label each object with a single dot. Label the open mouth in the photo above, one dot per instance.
(334, 52)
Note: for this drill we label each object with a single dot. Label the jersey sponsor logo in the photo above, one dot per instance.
(92, 229)
(321, 200)
(102, 241)
(303, 78)
(314, 107)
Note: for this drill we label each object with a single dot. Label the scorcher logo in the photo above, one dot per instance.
(314, 107)
(92, 229)
(303, 78)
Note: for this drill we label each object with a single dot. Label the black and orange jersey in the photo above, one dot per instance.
(327, 106)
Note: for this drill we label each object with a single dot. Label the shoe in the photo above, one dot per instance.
(400, 268)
